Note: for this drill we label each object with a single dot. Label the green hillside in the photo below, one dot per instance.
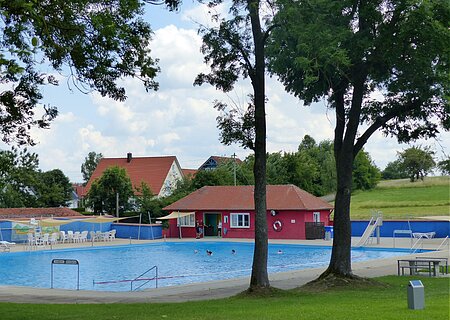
(400, 199)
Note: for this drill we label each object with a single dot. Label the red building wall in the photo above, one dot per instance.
(293, 225)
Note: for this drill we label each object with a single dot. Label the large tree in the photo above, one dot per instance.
(235, 49)
(95, 41)
(18, 178)
(418, 162)
(111, 189)
(53, 189)
(382, 63)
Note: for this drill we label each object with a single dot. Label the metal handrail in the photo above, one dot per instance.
(420, 240)
(442, 243)
(146, 280)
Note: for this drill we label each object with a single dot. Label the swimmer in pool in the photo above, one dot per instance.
(233, 251)
(280, 252)
(209, 253)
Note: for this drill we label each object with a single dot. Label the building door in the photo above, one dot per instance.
(211, 221)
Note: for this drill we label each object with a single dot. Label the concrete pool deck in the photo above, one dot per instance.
(213, 289)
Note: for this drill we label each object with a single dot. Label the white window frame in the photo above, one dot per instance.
(234, 220)
(186, 221)
(316, 216)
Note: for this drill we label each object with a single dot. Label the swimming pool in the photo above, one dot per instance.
(108, 268)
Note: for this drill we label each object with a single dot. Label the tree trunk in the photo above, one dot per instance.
(340, 263)
(259, 278)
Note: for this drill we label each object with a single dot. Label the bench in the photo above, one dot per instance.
(416, 266)
(443, 260)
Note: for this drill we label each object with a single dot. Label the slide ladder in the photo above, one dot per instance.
(373, 223)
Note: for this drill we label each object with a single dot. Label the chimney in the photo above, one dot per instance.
(129, 157)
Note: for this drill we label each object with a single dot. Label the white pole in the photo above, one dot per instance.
(139, 229)
(179, 224)
(234, 167)
(117, 204)
(151, 226)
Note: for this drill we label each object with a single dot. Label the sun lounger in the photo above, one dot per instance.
(5, 246)
(426, 235)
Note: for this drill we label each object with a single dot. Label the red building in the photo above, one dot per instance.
(289, 209)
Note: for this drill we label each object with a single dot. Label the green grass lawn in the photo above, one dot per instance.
(401, 199)
(389, 302)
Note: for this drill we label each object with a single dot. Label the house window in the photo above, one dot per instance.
(240, 220)
(187, 221)
(316, 216)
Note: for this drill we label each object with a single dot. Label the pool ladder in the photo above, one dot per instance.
(147, 280)
(131, 281)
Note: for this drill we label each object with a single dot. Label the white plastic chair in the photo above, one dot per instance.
(53, 238)
(112, 235)
(76, 236)
(83, 236)
(70, 236)
(63, 236)
(31, 240)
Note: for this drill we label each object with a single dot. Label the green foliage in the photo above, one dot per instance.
(365, 173)
(23, 185)
(89, 165)
(18, 178)
(54, 189)
(335, 46)
(103, 192)
(394, 170)
(97, 41)
(417, 162)
(444, 166)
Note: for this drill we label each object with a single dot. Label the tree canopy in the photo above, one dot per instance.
(89, 165)
(418, 162)
(113, 183)
(96, 41)
(22, 184)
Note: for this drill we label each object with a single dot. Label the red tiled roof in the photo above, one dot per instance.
(279, 197)
(26, 213)
(151, 170)
(79, 189)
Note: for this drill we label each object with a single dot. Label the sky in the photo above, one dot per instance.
(179, 119)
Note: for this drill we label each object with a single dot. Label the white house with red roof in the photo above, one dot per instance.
(161, 174)
(290, 212)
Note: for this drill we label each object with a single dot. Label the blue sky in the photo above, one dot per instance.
(178, 119)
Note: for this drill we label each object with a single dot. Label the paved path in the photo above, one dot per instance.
(214, 289)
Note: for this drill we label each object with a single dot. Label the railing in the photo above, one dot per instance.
(442, 243)
(147, 280)
(131, 281)
(415, 247)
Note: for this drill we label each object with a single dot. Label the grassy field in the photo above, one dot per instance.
(402, 199)
(387, 302)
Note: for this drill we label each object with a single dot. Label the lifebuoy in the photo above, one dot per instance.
(277, 225)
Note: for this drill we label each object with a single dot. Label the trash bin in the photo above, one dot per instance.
(416, 295)
(328, 229)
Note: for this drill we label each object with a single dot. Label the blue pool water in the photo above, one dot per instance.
(178, 263)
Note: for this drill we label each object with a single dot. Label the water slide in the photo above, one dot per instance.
(369, 230)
